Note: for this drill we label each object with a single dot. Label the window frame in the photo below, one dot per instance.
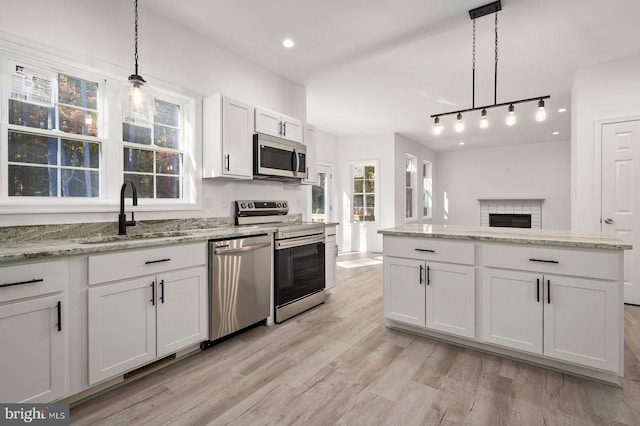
(427, 189)
(376, 193)
(413, 186)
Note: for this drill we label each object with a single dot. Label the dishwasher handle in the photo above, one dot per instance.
(226, 250)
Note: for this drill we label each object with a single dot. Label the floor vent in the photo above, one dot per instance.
(149, 366)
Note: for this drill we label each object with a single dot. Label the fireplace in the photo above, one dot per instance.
(510, 220)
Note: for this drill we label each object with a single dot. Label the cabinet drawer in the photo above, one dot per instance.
(135, 263)
(582, 263)
(32, 279)
(430, 249)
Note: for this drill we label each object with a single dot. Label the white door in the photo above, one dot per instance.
(268, 122)
(33, 351)
(237, 138)
(182, 309)
(512, 309)
(581, 322)
(122, 327)
(621, 196)
(404, 290)
(292, 129)
(450, 301)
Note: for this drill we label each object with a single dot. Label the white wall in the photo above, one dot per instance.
(99, 34)
(327, 153)
(604, 92)
(533, 170)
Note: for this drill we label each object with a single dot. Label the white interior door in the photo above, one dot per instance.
(621, 197)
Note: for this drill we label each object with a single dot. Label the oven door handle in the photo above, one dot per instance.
(226, 250)
(297, 242)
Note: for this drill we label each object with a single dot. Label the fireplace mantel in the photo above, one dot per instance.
(520, 205)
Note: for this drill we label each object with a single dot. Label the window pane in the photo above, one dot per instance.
(28, 181)
(370, 201)
(409, 202)
(28, 148)
(358, 214)
(358, 201)
(78, 121)
(369, 186)
(143, 183)
(166, 137)
(167, 187)
(358, 185)
(370, 215)
(80, 154)
(138, 160)
(80, 183)
(369, 172)
(168, 163)
(167, 113)
(29, 115)
(74, 91)
(136, 134)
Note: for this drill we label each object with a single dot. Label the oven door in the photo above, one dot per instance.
(299, 269)
(276, 157)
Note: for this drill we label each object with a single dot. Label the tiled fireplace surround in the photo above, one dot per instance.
(532, 206)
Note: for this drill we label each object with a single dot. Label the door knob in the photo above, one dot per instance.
(608, 220)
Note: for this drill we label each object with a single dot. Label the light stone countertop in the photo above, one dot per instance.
(509, 235)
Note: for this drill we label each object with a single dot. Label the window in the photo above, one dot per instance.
(53, 148)
(154, 155)
(427, 190)
(320, 194)
(364, 192)
(410, 187)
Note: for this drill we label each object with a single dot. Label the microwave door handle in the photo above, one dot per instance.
(296, 163)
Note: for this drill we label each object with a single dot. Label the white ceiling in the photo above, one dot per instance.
(382, 66)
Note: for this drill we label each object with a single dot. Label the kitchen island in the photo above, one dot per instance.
(553, 298)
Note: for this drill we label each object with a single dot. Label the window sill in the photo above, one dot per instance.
(109, 206)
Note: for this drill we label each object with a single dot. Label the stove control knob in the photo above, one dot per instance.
(279, 205)
(284, 204)
(243, 205)
(250, 205)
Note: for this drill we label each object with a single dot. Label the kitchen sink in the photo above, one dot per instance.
(100, 239)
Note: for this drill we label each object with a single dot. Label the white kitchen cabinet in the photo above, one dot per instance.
(330, 256)
(310, 141)
(404, 294)
(227, 139)
(34, 332)
(279, 125)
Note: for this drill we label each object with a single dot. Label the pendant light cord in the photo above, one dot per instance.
(135, 3)
(473, 69)
(495, 76)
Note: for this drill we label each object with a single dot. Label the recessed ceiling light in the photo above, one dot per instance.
(556, 133)
(288, 43)
(461, 143)
(562, 110)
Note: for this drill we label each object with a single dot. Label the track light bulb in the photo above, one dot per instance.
(459, 123)
(437, 128)
(484, 123)
(511, 116)
(540, 114)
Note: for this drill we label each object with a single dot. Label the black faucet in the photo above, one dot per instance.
(122, 218)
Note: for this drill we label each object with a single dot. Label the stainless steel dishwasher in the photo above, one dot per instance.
(239, 283)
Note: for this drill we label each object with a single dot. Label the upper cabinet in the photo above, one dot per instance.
(227, 146)
(279, 125)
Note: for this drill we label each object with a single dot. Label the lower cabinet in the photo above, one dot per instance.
(566, 318)
(433, 295)
(136, 321)
(330, 256)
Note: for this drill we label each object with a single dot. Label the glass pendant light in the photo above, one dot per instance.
(437, 128)
(540, 114)
(136, 98)
(511, 116)
(484, 123)
(459, 123)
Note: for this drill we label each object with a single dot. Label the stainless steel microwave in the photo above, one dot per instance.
(278, 159)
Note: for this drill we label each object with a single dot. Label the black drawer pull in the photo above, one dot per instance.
(59, 315)
(35, 280)
(149, 262)
(544, 261)
(425, 250)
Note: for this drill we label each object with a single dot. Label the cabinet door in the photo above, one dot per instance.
(582, 322)
(268, 122)
(33, 352)
(310, 141)
(237, 138)
(122, 327)
(292, 129)
(450, 300)
(181, 309)
(511, 312)
(330, 258)
(404, 290)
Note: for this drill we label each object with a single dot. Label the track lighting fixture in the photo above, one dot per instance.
(437, 128)
(481, 11)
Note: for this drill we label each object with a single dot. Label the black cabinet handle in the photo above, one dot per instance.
(35, 280)
(548, 291)
(162, 291)
(228, 162)
(425, 250)
(428, 275)
(538, 289)
(420, 274)
(149, 262)
(59, 315)
(544, 261)
(153, 293)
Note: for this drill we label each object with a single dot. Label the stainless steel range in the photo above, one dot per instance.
(299, 264)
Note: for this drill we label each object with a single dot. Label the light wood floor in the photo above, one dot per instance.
(339, 364)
